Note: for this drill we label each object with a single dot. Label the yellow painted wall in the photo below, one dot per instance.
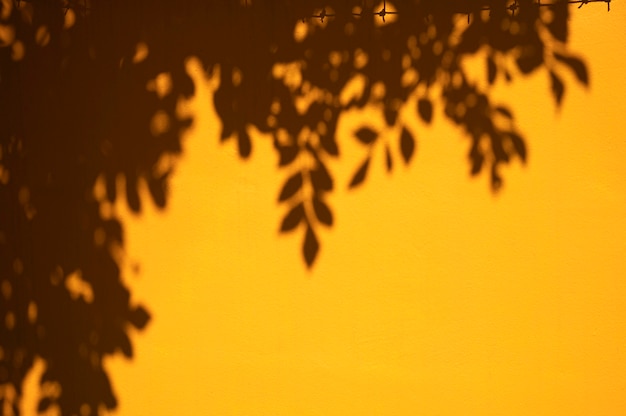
(431, 296)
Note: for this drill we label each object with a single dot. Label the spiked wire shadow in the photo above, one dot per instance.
(88, 95)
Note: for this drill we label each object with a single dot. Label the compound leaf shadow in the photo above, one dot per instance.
(89, 94)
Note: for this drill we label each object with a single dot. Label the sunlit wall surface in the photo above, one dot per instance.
(430, 296)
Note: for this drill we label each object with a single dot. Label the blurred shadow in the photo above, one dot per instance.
(88, 96)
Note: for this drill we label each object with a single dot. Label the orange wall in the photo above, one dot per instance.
(431, 296)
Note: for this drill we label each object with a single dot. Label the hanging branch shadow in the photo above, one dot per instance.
(89, 95)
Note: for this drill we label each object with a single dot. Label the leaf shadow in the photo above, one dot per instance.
(89, 94)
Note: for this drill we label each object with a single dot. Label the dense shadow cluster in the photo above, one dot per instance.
(89, 92)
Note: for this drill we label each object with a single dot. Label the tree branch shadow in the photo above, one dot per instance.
(89, 92)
